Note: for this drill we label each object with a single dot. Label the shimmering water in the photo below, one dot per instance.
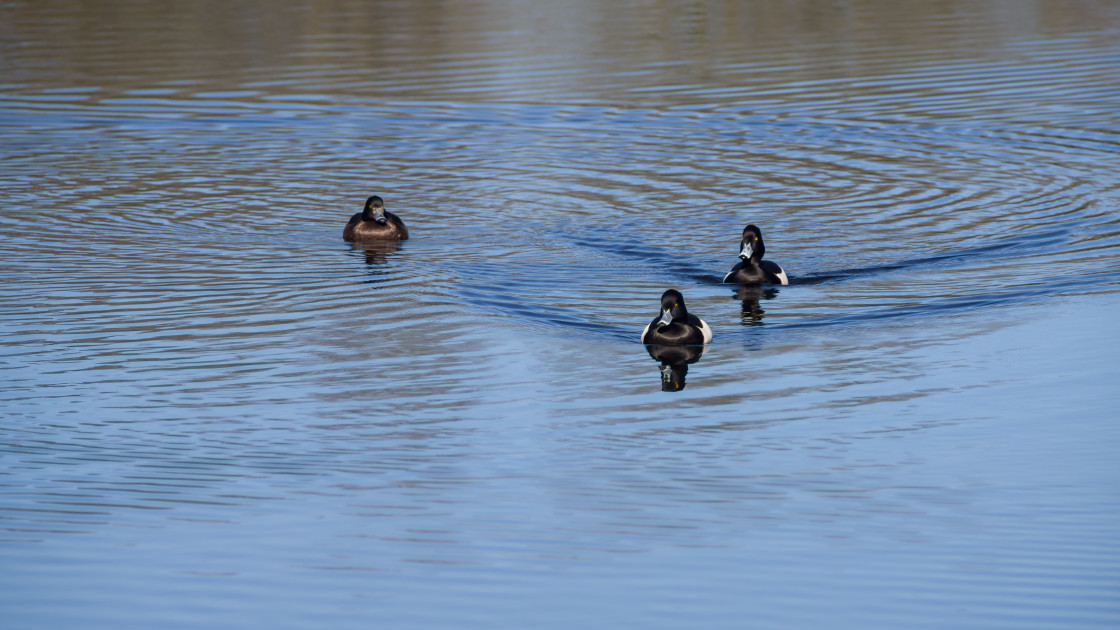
(218, 414)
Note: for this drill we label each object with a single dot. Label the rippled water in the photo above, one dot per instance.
(215, 412)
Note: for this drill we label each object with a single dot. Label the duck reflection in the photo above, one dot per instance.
(674, 363)
(377, 252)
(749, 296)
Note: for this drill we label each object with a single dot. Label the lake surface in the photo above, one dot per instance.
(216, 413)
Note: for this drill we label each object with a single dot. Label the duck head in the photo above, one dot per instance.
(672, 308)
(374, 210)
(752, 247)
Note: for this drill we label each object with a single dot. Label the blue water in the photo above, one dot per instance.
(217, 413)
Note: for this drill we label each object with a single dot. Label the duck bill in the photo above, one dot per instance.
(747, 251)
(379, 216)
(666, 318)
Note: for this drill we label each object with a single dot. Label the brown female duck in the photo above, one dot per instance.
(375, 223)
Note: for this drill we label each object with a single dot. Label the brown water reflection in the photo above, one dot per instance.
(577, 51)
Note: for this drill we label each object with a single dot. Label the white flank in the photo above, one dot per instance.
(706, 331)
(782, 279)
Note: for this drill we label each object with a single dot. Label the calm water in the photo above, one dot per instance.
(215, 413)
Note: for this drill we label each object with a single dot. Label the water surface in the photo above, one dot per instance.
(215, 412)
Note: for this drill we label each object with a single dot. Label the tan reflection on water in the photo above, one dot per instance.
(509, 51)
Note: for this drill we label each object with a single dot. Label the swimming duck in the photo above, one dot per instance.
(753, 269)
(374, 223)
(675, 326)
